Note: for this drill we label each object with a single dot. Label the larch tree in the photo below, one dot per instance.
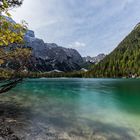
(13, 54)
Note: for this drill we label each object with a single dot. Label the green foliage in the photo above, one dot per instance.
(76, 74)
(6, 4)
(123, 61)
(12, 36)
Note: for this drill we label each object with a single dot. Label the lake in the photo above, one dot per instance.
(74, 109)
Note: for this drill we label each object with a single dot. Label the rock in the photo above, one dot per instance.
(14, 137)
(55, 71)
(84, 70)
(7, 133)
(49, 56)
(95, 59)
(30, 33)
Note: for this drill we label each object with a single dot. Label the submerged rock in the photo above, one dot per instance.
(6, 133)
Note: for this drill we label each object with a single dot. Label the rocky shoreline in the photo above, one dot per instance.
(13, 130)
(17, 124)
(20, 123)
(6, 133)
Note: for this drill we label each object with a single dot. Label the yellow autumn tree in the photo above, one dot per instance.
(11, 45)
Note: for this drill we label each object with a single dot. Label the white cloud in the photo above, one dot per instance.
(90, 26)
(77, 45)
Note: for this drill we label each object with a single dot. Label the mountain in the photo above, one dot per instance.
(124, 61)
(95, 59)
(50, 56)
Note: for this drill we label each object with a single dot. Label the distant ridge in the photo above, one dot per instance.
(95, 59)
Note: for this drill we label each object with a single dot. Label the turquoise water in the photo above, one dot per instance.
(80, 108)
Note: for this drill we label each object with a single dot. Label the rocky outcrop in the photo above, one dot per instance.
(95, 59)
(50, 56)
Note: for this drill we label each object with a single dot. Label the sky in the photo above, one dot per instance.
(89, 26)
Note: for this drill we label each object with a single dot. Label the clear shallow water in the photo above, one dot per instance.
(79, 108)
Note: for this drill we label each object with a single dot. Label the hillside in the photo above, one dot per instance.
(124, 61)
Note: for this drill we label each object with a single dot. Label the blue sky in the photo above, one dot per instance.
(90, 26)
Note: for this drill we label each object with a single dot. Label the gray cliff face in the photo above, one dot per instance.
(95, 59)
(30, 33)
(50, 56)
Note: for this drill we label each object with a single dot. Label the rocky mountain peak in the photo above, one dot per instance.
(95, 59)
(50, 56)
